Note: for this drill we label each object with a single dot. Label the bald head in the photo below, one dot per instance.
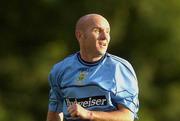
(93, 34)
(86, 20)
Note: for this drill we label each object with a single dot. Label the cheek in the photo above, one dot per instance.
(108, 38)
(90, 43)
(92, 40)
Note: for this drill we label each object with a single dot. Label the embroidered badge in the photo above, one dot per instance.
(82, 76)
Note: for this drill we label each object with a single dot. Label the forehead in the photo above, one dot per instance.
(99, 22)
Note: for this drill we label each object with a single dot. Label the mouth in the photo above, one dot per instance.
(102, 44)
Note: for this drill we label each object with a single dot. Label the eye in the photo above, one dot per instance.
(96, 30)
(108, 31)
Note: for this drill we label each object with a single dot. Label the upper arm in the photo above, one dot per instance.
(55, 95)
(127, 90)
(54, 116)
(126, 111)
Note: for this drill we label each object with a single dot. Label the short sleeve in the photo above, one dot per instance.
(126, 92)
(55, 96)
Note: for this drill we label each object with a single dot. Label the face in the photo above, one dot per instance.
(95, 37)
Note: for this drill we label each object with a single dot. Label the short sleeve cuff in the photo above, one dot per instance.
(54, 107)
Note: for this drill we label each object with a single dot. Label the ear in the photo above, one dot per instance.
(79, 35)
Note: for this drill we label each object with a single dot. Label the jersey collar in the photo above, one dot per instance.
(89, 63)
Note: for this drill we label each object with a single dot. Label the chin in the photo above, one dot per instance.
(102, 52)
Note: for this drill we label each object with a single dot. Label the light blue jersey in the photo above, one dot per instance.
(98, 86)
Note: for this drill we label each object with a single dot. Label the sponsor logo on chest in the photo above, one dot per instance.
(88, 101)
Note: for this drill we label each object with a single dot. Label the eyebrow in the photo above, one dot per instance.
(97, 27)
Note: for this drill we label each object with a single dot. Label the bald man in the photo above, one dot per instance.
(93, 84)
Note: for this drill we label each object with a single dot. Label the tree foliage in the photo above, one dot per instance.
(37, 34)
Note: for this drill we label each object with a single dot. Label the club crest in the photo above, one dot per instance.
(82, 76)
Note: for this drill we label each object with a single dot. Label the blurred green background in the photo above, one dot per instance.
(35, 34)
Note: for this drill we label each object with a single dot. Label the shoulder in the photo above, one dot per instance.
(120, 62)
(66, 61)
(63, 64)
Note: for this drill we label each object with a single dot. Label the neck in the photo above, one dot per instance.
(90, 58)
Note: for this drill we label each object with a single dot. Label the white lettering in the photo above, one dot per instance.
(98, 102)
(103, 100)
(80, 103)
(93, 102)
(88, 102)
(85, 104)
(69, 102)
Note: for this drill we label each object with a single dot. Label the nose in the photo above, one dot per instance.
(103, 36)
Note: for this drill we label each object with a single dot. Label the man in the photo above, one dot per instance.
(93, 84)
